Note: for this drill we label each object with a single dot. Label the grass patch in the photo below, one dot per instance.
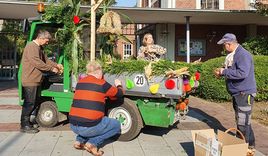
(260, 111)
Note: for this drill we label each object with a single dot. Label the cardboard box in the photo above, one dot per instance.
(207, 143)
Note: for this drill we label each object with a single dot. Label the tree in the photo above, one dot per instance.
(262, 7)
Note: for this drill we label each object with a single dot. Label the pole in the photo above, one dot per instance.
(92, 31)
(94, 7)
(188, 38)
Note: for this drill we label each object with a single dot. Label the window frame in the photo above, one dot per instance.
(199, 5)
(127, 49)
(181, 42)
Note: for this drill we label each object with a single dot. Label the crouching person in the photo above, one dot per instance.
(86, 116)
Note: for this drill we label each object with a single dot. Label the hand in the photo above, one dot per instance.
(55, 70)
(221, 70)
(117, 82)
(141, 55)
(60, 68)
(217, 73)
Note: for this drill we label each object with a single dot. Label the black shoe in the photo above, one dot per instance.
(29, 129)
(35, 125)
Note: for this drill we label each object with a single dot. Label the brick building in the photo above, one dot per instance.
(208, 21)
(181, 26)
(124, 48)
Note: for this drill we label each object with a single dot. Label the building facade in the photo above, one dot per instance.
(203, 36)
(124, 48)
(198, 4)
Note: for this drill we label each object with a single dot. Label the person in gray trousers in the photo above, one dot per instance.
(241, 84)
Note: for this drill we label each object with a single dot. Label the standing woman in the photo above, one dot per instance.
(149, 50)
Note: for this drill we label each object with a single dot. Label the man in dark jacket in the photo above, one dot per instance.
(240, 82)
(34, 63)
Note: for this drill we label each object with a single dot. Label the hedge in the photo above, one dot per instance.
(257, 45)
(215, 89)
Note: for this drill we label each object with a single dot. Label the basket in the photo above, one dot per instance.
(236, 130)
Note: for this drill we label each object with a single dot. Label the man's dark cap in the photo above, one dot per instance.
(229, 37)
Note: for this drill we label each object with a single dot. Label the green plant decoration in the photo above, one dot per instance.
(137, 66)
(67, 13)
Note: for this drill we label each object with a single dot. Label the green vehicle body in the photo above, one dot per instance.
(158, 112)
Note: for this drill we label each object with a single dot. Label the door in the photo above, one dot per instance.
(8, 56)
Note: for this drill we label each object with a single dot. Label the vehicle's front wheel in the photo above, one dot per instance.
(129, 117)
(47, 115)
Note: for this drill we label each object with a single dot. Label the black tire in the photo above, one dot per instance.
(47, 115)
(131, 121)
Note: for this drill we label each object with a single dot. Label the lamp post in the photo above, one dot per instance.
(188, 38)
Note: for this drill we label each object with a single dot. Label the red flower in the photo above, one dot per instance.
(76, 19)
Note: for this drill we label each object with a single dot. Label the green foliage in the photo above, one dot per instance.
(261, 7)
(162, 66)
(137, 66)
(12, 26)
(12, 34)
(122, 66)
(261, 68)
(69, 36)
(210, 87)
(257, 45)
(215, 89)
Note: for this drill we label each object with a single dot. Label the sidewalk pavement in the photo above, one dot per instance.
(152, 141)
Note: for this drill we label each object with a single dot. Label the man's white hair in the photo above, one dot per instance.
(92, 67)
(43, 34)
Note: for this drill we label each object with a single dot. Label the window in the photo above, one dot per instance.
(209, 4)
(127, 48)
(197, 47)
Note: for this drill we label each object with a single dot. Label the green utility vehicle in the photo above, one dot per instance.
(138, 108)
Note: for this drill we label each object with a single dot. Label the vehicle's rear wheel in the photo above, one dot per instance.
(47, 115)
(129, 117)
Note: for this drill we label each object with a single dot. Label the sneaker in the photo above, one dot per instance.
(251, 152)
(29, 129)
(35, 125)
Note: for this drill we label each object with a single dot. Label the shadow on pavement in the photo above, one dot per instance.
(211, 121)
(188, 148)
(8, 84)
(11, 142)
(159, 131)
(206, 121)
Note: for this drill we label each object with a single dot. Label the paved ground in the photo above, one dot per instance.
(152, 141)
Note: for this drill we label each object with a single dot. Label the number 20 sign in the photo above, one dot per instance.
(139, 80)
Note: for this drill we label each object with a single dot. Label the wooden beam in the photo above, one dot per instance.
(97, 5)
(94, 7)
